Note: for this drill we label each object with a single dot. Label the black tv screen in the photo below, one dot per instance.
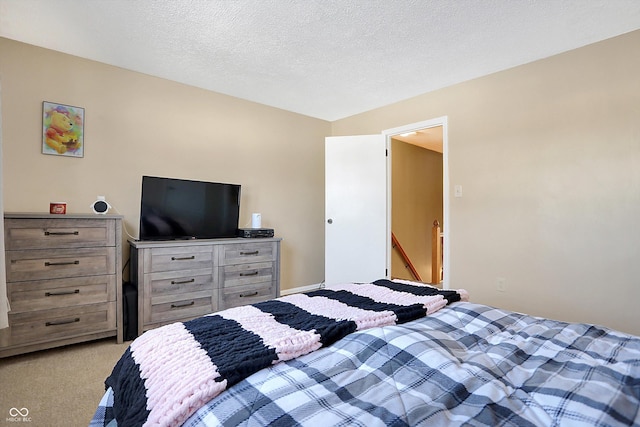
(183, 209)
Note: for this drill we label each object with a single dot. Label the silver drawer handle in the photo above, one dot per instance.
(61, 233)
(250, 253)
(55, 294)
(255, 273)
(62, 322)
(173, 258)
(182, 282)
(187, 304)
(49, 264)
(252, 294)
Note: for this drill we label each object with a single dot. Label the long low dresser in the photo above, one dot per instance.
(182, 279)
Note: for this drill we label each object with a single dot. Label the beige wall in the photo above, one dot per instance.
(140, 125)
(548, 154)
(416, 186)
(549, 158)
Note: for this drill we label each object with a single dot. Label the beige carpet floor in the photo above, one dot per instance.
(58, 387)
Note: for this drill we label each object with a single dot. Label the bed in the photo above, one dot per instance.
(387, 353)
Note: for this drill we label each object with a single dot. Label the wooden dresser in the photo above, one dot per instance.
(64, 280)
(180, 280)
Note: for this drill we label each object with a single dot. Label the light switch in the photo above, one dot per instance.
(457, 190)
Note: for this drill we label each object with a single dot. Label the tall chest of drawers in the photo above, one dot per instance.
(181, 280)
(64, 277)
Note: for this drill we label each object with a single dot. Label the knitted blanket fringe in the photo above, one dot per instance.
(167, 373)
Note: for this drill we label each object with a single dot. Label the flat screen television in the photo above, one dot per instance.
(174, 209)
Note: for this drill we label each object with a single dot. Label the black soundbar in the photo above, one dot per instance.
(255, 232)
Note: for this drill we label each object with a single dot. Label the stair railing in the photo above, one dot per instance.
(436, 253)
(407, 262)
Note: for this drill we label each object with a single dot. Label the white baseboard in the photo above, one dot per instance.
(300, 289)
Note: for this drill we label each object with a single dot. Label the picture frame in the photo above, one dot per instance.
(62, 129)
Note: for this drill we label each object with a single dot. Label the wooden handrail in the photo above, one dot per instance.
(405, 257)
(436, 253)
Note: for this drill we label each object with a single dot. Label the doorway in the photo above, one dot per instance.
(418, 179)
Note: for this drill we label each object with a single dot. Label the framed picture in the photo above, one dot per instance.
(62, 130)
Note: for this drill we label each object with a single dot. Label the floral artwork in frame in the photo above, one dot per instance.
(62, 130)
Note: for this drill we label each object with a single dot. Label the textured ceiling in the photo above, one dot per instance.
(323, 58)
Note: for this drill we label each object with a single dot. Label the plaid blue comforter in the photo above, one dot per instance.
(467, 364)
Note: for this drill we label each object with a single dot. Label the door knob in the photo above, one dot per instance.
(330, 221)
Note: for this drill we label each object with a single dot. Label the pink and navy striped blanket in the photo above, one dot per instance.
(169, 372)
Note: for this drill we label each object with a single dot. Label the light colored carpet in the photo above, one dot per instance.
(59, 387)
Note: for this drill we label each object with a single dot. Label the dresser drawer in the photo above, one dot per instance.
(247, 294)
(58, 233)
(182, 309)
(49, 325)
(179, 258)
(248, 252)
(246, 274)
(49, 294)
(59, 263)
(171, 283)
(178, 295)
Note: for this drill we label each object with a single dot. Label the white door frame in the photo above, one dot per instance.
(389, 133)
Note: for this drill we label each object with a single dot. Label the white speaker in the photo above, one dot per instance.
(256, 220)
(100, 206)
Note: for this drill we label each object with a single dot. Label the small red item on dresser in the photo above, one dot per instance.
(58, 207)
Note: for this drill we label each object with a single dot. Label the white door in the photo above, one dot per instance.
(355, 209)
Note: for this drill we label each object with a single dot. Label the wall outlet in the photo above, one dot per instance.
(501, 285)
